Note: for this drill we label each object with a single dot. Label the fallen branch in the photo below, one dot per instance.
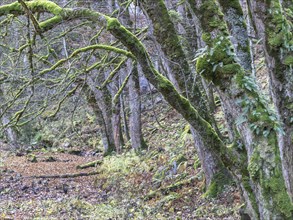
(70, 175)
(170, 188)
(90, 164)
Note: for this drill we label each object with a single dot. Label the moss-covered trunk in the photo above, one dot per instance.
(257, 126)
(167, 37)
(235, 20)
(275, 26)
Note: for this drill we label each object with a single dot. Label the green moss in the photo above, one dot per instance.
(288, 60)
(217, 184)
(270, 178)
(212, 191)
(229, 69)
(50, 22)
(246, 184)
(211, 17)
(254, 165)
(48, 5)
(112, 23)
(276, 186)
(215, 23)
(10, 8)
(278, 27)
(206, 37)
(164, 83)
(234, 4)
(203, 67)
(218, 63)
(276, 40)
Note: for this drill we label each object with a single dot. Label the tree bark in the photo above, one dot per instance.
(98, 101)
(137, 140)
(234, 86)
(10, 133)
(166, 36)
(274, 27)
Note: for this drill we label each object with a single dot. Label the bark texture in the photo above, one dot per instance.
(167, 37)
(274, 25)
(136, 136)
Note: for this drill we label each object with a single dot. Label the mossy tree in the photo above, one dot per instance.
(274, 24)
(189, 85)
(256, 124)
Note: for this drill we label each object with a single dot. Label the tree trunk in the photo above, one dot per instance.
(137, 141)
(272, 24)
(106, 138)
(10, 133)
(124, 117)
(257, 127)
(262, 179)
(116, 119)
(102, 108)
(166, 36)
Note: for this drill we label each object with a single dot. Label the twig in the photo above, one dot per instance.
(32, 17)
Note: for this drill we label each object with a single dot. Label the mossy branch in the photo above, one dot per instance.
(113, 73)
(67, 175)
(31, 16)
(90, 164)
(170, 188)
(115, 99)
(85, 49)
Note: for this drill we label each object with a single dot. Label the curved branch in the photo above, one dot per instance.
(59, 14)
(130, 41)
(85, 49)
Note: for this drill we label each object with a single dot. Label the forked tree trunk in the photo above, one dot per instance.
(107, 144)
(103, 110)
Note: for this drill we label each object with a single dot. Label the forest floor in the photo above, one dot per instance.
(165, 182)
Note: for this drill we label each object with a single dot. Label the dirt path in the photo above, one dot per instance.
(18, 191)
